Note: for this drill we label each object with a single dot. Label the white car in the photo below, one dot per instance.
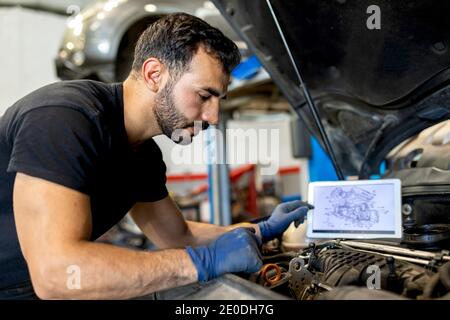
(99, 42)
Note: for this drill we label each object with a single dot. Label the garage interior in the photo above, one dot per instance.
(326, 91)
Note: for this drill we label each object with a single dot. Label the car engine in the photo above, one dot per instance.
(341, 269)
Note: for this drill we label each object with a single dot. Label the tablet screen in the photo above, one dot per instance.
(356, 209)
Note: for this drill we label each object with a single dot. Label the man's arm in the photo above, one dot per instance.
(163, 223)
(54, 224)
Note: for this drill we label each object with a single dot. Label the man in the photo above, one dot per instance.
(76, 156)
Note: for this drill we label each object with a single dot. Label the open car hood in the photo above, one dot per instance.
(371, 87)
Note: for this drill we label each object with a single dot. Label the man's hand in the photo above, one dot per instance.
(283, 215)
(234, 251)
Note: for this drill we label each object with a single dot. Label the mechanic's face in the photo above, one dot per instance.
(194, 97)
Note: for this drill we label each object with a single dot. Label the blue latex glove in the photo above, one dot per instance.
(234, 251)
(283, 215)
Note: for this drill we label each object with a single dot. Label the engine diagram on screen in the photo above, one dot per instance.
(354, 206)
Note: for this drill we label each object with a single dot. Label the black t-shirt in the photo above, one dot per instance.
(73, 133)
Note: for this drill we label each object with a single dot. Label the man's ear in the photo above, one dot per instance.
(152, 73)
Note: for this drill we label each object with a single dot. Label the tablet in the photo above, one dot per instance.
(362, 209)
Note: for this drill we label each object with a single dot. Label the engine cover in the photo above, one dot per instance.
(344, 267)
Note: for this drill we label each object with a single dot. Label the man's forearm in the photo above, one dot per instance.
(110, 272)
(170, 230)
(203, 233)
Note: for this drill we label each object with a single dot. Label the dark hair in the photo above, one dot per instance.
(174, 39)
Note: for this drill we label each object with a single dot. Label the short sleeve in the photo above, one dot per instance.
(150, 173)
(58, 144)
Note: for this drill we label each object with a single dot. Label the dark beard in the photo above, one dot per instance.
(166, 113)
(170, 119)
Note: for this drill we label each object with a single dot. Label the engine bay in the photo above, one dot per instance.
(341, 269)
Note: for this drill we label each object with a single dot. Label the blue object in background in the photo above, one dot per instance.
(321, 168)
(319, 165)
(210, 145)
(247, 69)
(382, 170)
(291, 197)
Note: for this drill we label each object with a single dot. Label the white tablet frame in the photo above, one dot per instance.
(342, 235)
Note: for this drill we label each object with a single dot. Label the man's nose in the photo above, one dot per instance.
(211, 113)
